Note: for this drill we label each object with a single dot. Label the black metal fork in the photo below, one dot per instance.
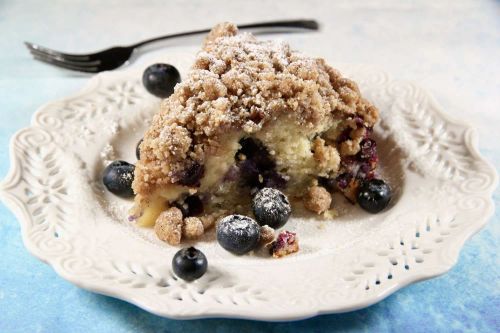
(114, 57)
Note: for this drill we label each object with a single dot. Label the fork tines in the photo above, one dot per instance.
(81, 63)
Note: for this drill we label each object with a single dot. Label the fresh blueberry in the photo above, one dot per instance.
(238, 234)
(374, 195)
(189, 264)
(270, 206)
(138, 150)
(160, 79)
(118, 177)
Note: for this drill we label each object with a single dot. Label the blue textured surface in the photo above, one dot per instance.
(34, 299)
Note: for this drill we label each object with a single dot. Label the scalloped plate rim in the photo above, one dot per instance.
(20, 212)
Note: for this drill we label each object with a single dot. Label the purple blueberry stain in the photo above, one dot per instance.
(345, 135)
(284, 239)
(359, 121)
(232, 174)
(368, 149)
(274, 179)
(343, 180)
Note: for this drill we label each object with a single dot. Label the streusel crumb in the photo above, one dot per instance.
(208, 221)
(286, 243)
(327, 156)
(351, 146)
(317, 199)
(192, 227)
(168, 226)
(266, 235)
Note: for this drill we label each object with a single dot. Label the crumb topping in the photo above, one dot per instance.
(266, 235)
(241, 84)
(286, 243)
(192, 227)
(317, 199)
(168, 226)
(328, 157)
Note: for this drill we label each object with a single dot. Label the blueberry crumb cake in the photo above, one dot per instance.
(251, 115)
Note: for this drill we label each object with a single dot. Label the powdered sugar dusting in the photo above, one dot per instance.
(119, 210)
(261, 51)
(107, 154)
(114, 128)
(86, 132)
(272, 201)
(237, 224)
(237, 221)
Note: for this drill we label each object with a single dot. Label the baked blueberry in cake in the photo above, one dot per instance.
(252, 114)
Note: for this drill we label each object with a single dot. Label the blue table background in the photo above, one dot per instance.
(455, 47)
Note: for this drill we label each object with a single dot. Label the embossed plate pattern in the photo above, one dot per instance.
(443, 196)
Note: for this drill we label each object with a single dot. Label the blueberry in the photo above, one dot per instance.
(192, 175)
(189, 264)
(327, 183)
(374, 195)
(191, 206)
(255, 150)
(249, 173)
(238, 234)
(274, 179)
(160, 79)
(270, 206)
(138, 150)
(118, 177)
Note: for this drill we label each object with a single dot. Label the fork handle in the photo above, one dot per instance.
(298, 24)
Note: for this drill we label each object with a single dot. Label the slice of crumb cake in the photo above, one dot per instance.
(253, 114)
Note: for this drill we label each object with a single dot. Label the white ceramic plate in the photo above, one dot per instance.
(442, 186)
